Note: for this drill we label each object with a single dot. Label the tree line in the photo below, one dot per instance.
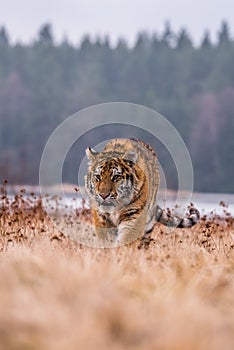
(44, 82)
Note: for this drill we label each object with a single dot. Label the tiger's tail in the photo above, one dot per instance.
(165, 217)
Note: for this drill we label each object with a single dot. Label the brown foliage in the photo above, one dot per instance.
(174, 293)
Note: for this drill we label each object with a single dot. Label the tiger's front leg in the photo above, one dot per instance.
(129, 231)
(104, 229)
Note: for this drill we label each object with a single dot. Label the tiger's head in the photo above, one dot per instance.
(112, 178)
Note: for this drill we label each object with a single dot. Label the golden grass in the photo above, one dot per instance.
(175, 293)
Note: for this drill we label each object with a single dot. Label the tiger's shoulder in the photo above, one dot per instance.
(122, 146)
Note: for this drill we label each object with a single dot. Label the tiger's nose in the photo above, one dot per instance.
(104, 195)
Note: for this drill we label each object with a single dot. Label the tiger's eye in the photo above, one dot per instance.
(97, 178)
(116, 177)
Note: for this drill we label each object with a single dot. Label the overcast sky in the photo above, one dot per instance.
(125, 18)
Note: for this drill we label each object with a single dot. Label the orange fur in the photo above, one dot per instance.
(122, 184)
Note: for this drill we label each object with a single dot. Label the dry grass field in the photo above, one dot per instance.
(175, 292)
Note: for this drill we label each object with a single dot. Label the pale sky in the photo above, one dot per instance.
(125, 18)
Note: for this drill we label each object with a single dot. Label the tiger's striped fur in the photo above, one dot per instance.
(122, 184)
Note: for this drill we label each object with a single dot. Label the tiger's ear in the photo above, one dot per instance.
(91, 153)
(130, 157)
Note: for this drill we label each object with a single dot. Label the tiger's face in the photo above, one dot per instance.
(111, 180)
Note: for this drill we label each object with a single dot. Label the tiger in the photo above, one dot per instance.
(122, 183)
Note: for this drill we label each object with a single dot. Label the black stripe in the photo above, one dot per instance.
(132, 211)
(128, 215)
(181, 224)
(138, 194)
(149, 231)
(131, 178)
